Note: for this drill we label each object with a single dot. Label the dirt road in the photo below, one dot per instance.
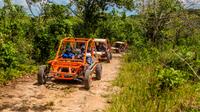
(25, 96)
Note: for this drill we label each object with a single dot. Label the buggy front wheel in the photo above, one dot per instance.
(87, 79)
(98, 71)
(41, 76)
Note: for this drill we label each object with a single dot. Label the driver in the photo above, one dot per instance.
(68, 53)
(101, 47)
(88, 57)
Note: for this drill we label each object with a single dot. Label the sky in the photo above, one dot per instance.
(195, 4)
(35, 9)
(61, 2)
(187, 3)
(1, 3)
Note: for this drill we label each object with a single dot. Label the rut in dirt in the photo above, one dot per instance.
(26, 96)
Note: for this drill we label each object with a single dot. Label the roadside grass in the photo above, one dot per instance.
(143, 91)
(137, 95)
(18, 71)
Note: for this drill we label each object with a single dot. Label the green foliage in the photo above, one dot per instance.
(7, 55)
(149, 82)
(93, 12)
(170, 78)
(157, 15)
(138, 94)
(162, 77)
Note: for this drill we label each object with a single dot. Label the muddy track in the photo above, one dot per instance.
(25, 95)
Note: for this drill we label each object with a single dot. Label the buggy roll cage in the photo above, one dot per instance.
(86, 41)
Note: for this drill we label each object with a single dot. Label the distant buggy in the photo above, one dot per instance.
(119, 47)
(103, 50)
(75, 60)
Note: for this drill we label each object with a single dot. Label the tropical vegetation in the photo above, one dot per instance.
(161, 70)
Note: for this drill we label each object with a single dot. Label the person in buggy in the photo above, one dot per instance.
(100, 47)
(80, 55)
(68, 53)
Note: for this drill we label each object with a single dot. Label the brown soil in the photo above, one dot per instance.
(24, 95)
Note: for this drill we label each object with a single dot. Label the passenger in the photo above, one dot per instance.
(89, 60)
(83, 49)
(88, 57)
(80, 52)
(98, 47)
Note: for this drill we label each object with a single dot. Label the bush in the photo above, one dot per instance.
(142, 54)
(183, 59)
(168, 78)
(7, 55)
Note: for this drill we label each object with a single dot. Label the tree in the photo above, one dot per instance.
(157, 16)
(92, 11)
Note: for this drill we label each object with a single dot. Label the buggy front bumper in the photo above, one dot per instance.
(63, 75)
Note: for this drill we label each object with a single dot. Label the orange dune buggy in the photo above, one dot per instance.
(75, 60)
(103, 49)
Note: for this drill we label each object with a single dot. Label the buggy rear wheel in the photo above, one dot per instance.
(87, 79)
(98, 71)
(41, 76)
